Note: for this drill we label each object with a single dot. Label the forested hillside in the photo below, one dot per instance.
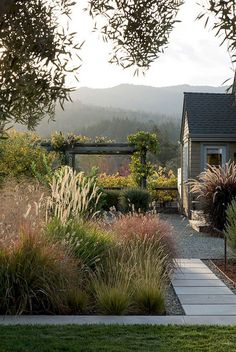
(119, 111)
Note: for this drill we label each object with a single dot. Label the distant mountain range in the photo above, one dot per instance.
(163, 101)
(142, 103)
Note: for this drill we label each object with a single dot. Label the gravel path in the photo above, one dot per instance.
(193, 244)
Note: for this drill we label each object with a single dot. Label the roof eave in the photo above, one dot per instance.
(212, 137)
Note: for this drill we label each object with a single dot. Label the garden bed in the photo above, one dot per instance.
(229, 270)
(217, 267)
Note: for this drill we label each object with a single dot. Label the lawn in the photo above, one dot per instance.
(117, 338)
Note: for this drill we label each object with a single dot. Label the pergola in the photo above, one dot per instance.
(71, 151)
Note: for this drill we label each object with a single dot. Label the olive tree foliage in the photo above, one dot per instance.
(35, 54)
(138, 29)
(36, 50)
(223, 13)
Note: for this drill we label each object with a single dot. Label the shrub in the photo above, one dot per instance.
(216, 187)
(73, 195)
(20, 155)
(230, 227)
(88, 243)
(144, 226)
(116, 180)
(34, 277)
(162, 178)
(111, 199)
(144, 142)
(134, 199)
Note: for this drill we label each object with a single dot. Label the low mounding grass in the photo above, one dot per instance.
(134, 199)
(117, 338)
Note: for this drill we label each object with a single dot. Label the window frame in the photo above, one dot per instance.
(214, 146)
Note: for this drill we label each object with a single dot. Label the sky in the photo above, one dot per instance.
(193, 56)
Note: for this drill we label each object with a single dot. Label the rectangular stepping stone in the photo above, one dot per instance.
(213, 309)
(188, 261)
(191, 265)
(203, 276)
(205, 270)
(198, 283)
(203, 291)
(207, 299)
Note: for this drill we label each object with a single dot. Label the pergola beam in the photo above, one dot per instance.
(99, 149)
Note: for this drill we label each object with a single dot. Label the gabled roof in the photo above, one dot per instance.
(210, 113)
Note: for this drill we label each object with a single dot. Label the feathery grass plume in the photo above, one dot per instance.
(73, 196)
(215, 188)
(22, 201)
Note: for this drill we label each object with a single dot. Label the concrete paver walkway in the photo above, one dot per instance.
(200, 292)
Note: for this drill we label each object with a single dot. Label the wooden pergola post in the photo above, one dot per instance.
(143, 160)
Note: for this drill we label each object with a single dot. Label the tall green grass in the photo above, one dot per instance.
(88, 243)
(132, 279)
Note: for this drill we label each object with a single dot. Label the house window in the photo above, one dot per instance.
(214, 155)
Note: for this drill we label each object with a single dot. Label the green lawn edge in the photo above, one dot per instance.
(120, 338)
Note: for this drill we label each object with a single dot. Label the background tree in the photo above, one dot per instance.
(35, 54)
(36, 50)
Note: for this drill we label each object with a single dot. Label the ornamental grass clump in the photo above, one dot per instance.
(151, 276)
(73, 195)
(145, 226)
(216, 188)
(112, 284)
(88, 243)
(133, 279)
(35, 276)
(134, 200)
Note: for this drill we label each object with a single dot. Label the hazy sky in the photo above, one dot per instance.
(192, 57)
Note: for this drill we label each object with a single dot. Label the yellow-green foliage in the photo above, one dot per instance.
(60, 140)
(115, 180)
(20, 151)
(162, 178)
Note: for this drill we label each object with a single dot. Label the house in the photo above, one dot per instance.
(208, 136)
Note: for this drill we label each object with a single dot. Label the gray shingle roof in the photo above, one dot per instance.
(210, 113)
